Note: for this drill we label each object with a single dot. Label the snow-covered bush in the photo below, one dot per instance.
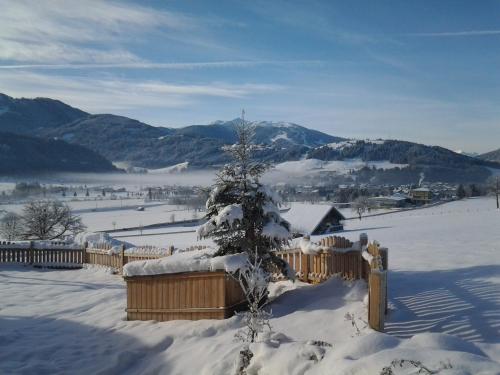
(417, 367)
(243, 214)
(254, 282)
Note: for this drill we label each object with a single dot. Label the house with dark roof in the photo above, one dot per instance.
(313, 219)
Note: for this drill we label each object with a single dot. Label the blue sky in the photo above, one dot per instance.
(425, 71)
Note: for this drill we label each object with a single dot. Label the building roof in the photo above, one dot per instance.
(421, 189)
(305, 217)
(396, 198)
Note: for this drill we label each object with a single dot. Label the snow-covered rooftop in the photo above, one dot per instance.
(305, 217)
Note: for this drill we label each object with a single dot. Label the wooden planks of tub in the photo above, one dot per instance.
(183, 296)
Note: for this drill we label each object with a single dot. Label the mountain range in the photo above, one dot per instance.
(492, 155)
(131, 142)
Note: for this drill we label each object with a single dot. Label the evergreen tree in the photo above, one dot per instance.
(461, 193)
(242, 213)
(474, 190)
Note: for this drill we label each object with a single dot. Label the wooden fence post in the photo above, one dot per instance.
(376, 300)
(363, 239)
(122, 258)
(384, 254)
(31, 253)
(84, 252)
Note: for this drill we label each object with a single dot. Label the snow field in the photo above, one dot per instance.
(305, 166)
(444, 268)
(55, 321)
(444, 278)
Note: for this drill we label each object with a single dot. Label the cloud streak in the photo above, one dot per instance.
(112, 94)
(457, 33)
(172, 66)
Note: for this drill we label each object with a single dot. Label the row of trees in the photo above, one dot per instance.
(40, 220)
(475, 190)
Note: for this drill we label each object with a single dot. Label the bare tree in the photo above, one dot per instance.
(493, 184)
(417, 366)
(497, 189)
(48, 220)
(11, 226)
(361, 205)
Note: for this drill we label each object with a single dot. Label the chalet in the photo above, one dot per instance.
(313, 219)
(421, 195)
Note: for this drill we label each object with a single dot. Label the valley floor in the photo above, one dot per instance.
(445, 308)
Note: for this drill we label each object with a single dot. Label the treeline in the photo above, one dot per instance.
(399, 152)
(411, 174)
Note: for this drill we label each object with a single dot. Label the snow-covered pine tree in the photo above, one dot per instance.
(242, 213)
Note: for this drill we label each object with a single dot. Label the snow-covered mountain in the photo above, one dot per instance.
(492, 155)
(122, 139)
(266, 133)
(136, 144)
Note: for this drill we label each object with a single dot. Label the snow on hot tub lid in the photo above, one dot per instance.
(189, 261)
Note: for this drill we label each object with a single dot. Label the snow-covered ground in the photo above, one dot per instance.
(100, 221)
(444, 268)
(445, 277)
(302, 167)
(80, 205)
(103, 215)
(178, 236)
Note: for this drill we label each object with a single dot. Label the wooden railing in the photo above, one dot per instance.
(337, 256)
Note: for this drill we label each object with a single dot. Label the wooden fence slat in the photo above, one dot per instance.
(377, 298)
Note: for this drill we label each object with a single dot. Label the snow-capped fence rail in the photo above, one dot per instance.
(59, 254)
(337, 256)
(108, 256)
(186, 296)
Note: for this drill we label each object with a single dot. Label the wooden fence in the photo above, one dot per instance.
(46, 254)
(54, 254)
(337, 256)
(206, 295)
(189, 295)
(103, 255)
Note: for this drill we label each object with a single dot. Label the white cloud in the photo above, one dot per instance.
(111, 94)
(81, 31)
(62, 53)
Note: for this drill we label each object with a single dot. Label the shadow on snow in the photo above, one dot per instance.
(462, 302)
